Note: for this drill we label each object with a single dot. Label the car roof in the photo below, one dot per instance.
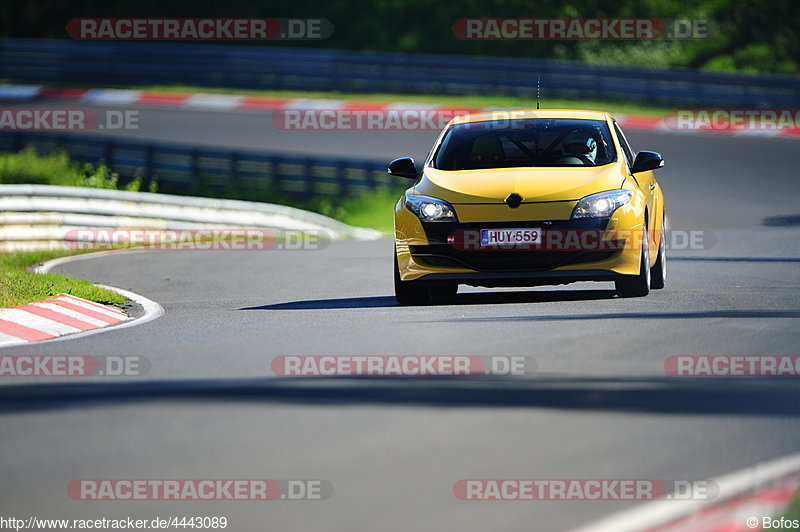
(531, 113)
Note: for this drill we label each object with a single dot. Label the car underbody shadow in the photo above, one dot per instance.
(469, 298)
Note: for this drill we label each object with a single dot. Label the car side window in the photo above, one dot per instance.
(624, 143)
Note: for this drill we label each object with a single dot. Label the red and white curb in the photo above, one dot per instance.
(746, 497)
(65, 316)
(54, 317)
(231, 102)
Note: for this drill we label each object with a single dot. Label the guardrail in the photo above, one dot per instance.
(259, 176)
(44, 216)
(262, 67)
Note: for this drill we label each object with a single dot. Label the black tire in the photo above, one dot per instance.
(410, 292)
(637, 285)
(658, 273)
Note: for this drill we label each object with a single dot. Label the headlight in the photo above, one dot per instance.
(601, 204)
(430, 209)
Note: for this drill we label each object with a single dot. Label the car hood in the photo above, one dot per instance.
(533, 184)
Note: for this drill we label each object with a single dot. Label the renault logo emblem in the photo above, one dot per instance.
(514, 200)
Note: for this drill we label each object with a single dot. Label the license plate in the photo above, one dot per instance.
(505, 237)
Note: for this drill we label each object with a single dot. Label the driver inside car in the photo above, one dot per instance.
(580, 149)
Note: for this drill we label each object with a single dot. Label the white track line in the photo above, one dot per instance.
(219, 102)
(7, 339)
(112, 96)
(731, 485)
(19, 92)
(309, 104)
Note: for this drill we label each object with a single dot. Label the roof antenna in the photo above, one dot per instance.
(538, 84)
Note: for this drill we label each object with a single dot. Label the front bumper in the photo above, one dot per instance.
(600, 250)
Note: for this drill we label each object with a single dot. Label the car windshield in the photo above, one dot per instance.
(510, 143)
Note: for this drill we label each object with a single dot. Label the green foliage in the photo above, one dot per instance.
(29, 167)
(373, 209)
(748, 34)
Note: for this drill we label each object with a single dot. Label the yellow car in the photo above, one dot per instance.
(527, 198)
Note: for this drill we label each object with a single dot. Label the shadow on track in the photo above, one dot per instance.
(645, 395)
(734, 259)
(471, 298)
(782, 221)
(329, 304)
(728, 314)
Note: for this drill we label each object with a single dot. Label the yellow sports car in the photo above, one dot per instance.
(528, 198)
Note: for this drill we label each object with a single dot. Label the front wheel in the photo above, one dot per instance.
(410, 292)
(637, 285)
(658, 274)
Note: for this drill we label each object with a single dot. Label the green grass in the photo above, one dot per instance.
(57, 169)
(18, 286)
(793, 512)
(374, 210)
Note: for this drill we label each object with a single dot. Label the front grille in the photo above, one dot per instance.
(443, 255)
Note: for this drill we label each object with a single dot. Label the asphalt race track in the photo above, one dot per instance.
(599, 405)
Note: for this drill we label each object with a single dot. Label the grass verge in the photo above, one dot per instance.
(374, 210)
(18, 286)
(793, 512)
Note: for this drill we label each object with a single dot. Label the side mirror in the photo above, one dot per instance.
(403, 167)
(647, 160)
